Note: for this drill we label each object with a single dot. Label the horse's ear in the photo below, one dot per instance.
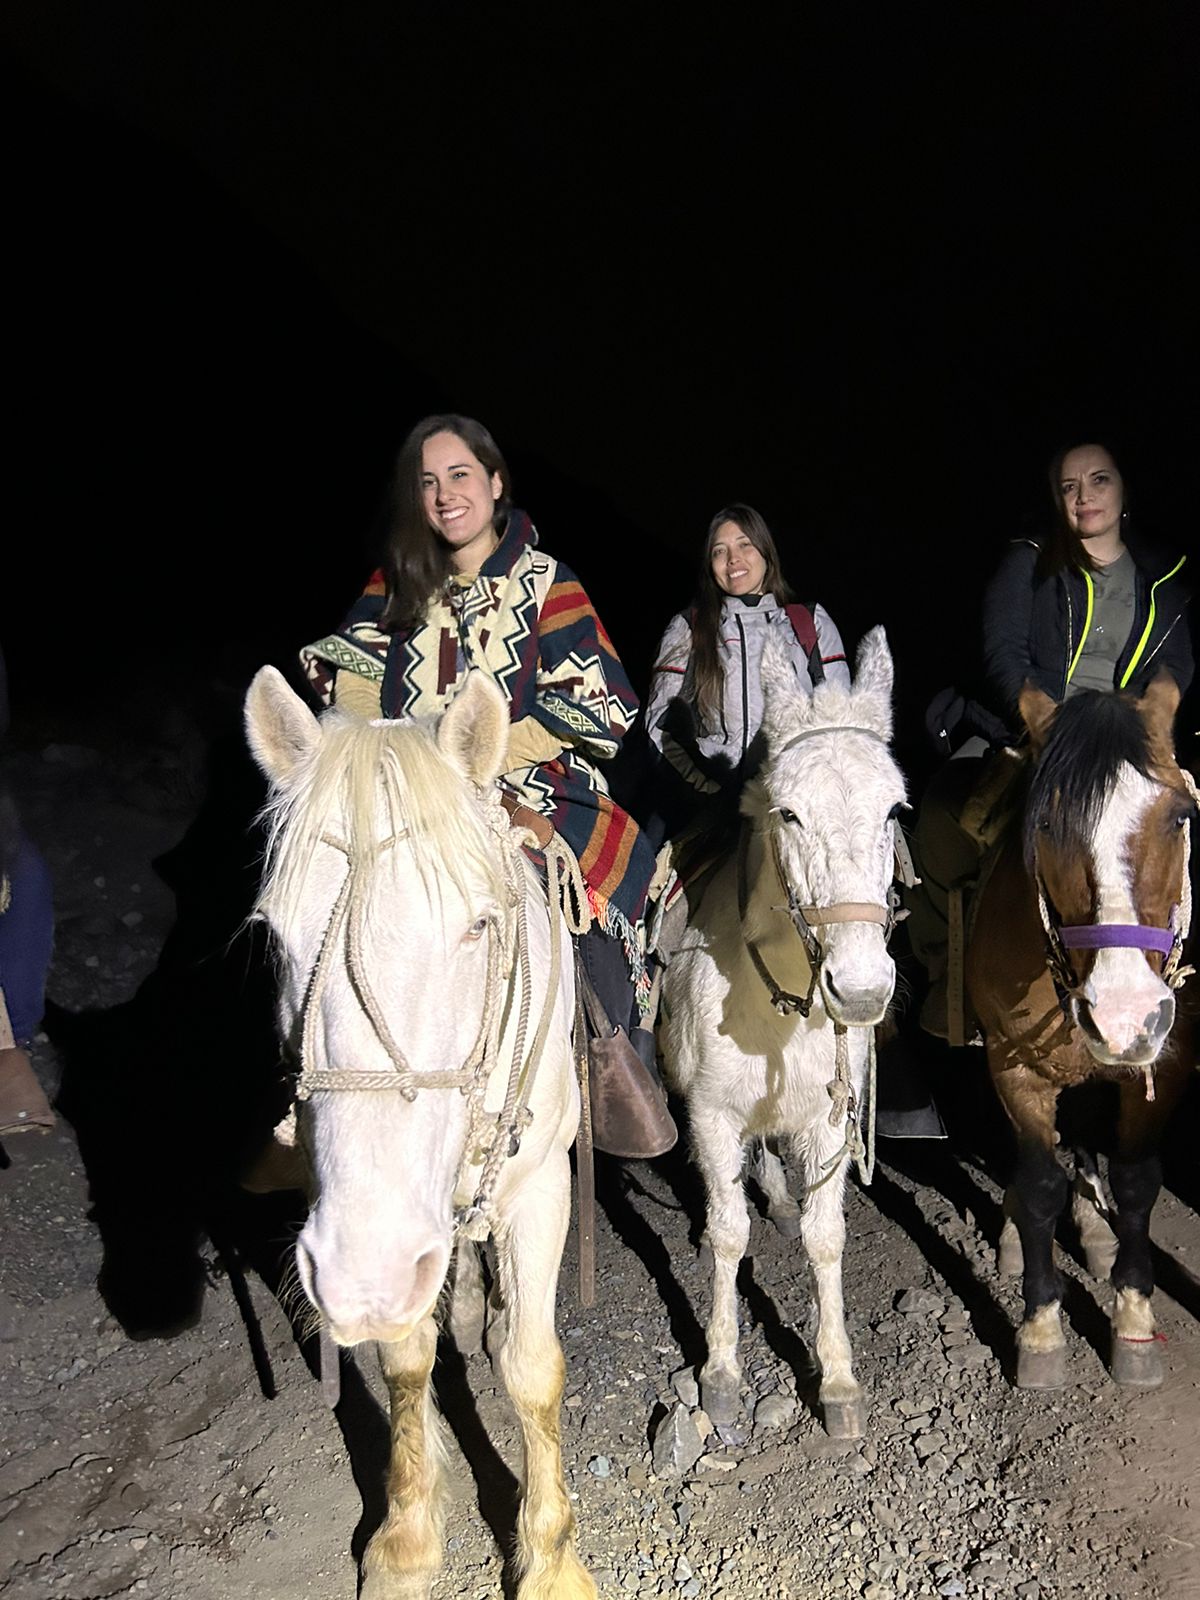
(780, 699)
(473, 733)
(875, 675)
(1158, 706)
(1037, 712)
(280, 728)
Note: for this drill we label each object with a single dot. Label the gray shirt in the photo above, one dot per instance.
(1112, 618)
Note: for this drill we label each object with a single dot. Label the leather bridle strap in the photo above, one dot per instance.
(845, 911)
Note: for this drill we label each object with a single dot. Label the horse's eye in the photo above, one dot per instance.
(897, 809)
(788, 816)
(477, 929)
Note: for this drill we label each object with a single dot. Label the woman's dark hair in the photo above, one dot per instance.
(415, 561)
(705, 668)
(1062, 547)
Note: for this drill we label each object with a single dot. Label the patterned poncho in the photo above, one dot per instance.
(527, 622)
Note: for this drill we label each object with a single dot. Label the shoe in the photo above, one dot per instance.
(23, 1102)
(629, 1107)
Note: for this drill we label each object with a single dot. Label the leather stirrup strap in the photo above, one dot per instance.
(955, 974)
(585, 1169)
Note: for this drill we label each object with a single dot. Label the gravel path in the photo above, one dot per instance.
(165, 1434)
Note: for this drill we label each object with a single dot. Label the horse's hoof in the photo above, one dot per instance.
(1042, 1369)
(1137, 1363)
(467, 1333)
(788, 1224)
(1100, 1260)
(1010, 1257)
(844, 1419)
(379, 1585)
(721, 1398)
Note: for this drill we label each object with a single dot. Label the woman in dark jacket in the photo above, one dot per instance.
(1093, 606)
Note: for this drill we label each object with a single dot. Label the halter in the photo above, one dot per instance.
(1168, 941)
(806, 920)
(507, 947)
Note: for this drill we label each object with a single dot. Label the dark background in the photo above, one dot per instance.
(862, 266)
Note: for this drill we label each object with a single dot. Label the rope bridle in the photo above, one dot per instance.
(491, 1140)
(859, 1140)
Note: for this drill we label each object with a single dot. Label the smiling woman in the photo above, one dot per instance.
(1092, 606)
(705, 705)
(464, 587)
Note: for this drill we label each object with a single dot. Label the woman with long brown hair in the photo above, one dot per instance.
(704, 709)
(1092, 605)
(465, 585)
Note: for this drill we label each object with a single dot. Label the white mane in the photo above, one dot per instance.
(364, 783)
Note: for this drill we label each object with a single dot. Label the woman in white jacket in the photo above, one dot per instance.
(704, 710)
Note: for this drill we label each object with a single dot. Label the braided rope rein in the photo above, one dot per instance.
(491, 1138)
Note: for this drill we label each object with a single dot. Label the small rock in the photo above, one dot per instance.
(677, 1442)
(920, 1303)
(928, 1443)
(776, 1411)
(599, 1466)
(685, 1386)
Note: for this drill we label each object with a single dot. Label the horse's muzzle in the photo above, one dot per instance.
(384, 1306)
(857, 1005)
(1123, 1041)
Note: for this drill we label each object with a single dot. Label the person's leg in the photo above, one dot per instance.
(629, 1108)
(26, 944)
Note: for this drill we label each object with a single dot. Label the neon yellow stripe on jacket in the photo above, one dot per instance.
(1087, 623)
(1141, 644)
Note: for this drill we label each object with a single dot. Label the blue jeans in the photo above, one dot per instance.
(26, 939)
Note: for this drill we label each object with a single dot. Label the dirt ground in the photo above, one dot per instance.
(165, 1433)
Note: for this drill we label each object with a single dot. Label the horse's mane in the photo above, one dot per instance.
(1091, 737)
(366, 781)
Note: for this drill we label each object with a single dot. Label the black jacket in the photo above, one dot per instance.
(1032, 627)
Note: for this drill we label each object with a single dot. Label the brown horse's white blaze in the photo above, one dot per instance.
(1072, 969)
(414, 947)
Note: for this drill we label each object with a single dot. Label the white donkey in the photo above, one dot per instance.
(429, 999)
(770, 1001)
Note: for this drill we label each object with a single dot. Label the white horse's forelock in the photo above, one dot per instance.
(363, 784)
(866, 704)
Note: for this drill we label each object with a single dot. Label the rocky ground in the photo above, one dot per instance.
(164, 1430)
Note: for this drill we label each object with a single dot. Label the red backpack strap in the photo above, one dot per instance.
(803, 626)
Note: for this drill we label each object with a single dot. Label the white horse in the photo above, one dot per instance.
(420, 981)
(770, 1001)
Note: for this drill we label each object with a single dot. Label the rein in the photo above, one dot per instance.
(507, 948)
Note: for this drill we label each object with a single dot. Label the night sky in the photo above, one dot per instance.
(864, 267)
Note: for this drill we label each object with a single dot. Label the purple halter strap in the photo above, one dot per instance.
(1118, 936)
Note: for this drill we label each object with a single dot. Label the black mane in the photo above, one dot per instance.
(1091, 736)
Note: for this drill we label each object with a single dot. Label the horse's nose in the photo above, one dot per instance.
(858, 1002)
(358, 1300)
(1127, 1040)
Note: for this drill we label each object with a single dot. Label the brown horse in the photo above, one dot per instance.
(1073, 967)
